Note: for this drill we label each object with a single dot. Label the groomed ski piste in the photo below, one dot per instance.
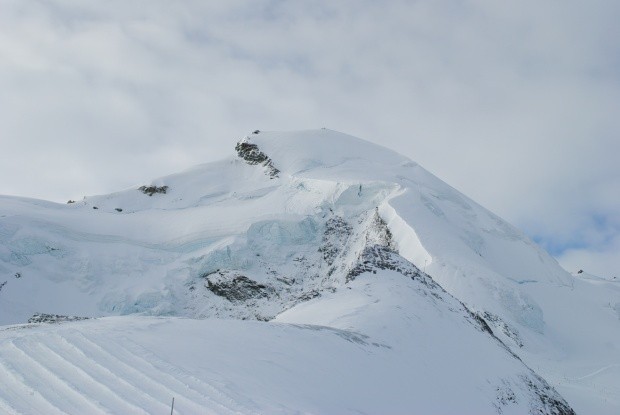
(311, 272)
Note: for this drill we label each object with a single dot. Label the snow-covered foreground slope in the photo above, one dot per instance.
(388, 344)
(287, 230)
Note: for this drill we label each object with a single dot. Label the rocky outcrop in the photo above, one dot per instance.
(238, 289)
(509, 331)
(53, 318)
(253, 155)
(151, 190)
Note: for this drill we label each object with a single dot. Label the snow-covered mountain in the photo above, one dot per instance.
(377, 289)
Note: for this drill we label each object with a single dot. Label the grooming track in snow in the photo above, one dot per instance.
(74, 371)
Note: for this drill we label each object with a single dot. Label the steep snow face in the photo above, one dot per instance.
(544, 314)
(298, 217)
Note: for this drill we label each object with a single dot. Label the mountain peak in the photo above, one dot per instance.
(323, 231)
(297, 152)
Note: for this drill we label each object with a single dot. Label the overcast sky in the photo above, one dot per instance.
(515, 103)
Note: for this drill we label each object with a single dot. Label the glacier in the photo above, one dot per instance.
(310, 272)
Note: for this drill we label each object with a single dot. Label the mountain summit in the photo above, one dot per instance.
(365, 284)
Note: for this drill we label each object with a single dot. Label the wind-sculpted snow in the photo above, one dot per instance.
(319, 228)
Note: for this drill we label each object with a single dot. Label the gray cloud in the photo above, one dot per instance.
(512, 103)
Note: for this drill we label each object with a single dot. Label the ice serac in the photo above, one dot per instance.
(414, 291)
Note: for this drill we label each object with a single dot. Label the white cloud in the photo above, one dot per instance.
(513, 103)
(603, 261)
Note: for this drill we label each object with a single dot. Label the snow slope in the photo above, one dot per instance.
(387, 344)
(292, 229)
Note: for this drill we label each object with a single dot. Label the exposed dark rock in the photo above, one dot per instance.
(53, 318)
(550, 401)
(95, 207)
(240, 288)
(378, 257)
(484, 326)
(380, 254)
(252, 155)
(505, 396)
(70, 201)
(255, 131)
(337, 232)
(380, 233)
(118, 209)
(151, 190)
(310, 295)
(511, 332)
(2, 285)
